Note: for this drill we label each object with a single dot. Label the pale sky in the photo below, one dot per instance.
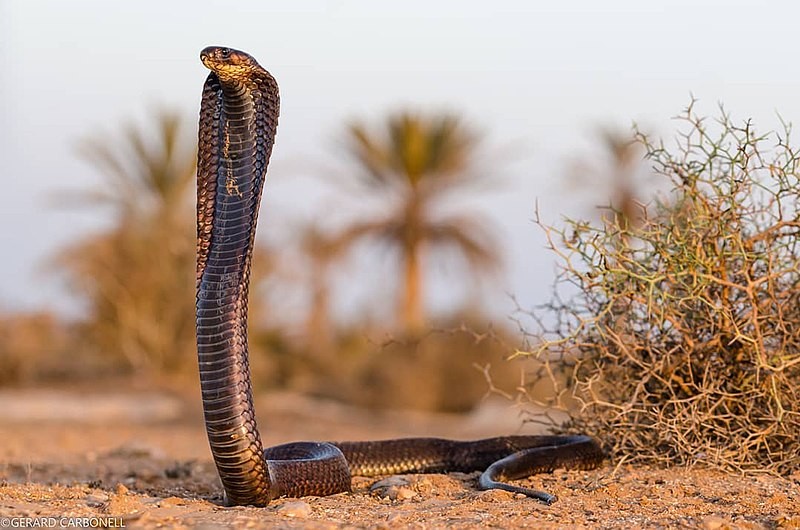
(536, 77)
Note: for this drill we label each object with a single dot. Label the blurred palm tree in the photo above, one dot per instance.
(145, 178)
(618, 170)
(414, 162)
(626, 156)
(320, 250)
(138, 277)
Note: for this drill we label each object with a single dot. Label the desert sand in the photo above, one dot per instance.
(138, 458)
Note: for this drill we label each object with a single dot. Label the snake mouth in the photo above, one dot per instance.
(205, 58)
(210, 55)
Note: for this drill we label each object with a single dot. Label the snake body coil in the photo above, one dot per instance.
(238, 121)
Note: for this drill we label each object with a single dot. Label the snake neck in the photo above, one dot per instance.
(222, 295)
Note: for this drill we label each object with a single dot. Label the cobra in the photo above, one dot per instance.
(238, 122)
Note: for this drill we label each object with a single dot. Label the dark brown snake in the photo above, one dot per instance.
(238, 122)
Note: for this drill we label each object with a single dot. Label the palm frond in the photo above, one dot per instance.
(468, 237)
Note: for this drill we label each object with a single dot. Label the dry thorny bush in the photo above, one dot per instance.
(679, 336)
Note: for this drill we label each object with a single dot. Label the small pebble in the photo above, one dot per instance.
(402, 494)
(393, 488)
(121, 489)
(299, 509)
(96, 499)
(394, 493)
(395, 480)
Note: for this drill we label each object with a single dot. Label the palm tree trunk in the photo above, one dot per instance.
(318, 329)
(411, 311)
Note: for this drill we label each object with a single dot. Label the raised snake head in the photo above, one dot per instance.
(230, 64)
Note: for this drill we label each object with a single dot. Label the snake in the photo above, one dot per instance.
(238, 122)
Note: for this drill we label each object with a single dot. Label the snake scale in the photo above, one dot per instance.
(238, 122)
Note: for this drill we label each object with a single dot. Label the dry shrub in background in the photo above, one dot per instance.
(451, 368)
(679, 338)
(137, 277)
(34, 348)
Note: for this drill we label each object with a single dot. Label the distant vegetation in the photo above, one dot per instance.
(678, 336)
(137, 278)
(673, 334)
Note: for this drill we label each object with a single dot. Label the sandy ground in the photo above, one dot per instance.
(139, 459)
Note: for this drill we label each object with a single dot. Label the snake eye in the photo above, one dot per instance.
(225, 53)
